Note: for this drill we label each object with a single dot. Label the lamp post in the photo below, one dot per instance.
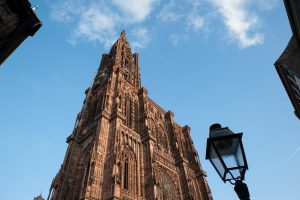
(226, 153)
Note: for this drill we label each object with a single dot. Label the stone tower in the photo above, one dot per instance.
(124, 145)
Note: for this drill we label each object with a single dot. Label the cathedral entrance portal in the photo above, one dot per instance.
(166, 189)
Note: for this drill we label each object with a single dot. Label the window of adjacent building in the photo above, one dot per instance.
(290, 75)
(295, 83)
(4, 12)
(296, 87)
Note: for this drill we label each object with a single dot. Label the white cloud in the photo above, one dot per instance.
(62, 13)
(141, 36)
(169, 12)
(239, 22)
(267, 4)
(176, 38)
(135, 10)
(195, 3)
(196, 22)
(97, 24)
(99, 21)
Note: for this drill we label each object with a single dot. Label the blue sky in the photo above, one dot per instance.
(206, 60)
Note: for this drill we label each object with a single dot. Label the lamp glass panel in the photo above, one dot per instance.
(230, 151)
(235, 173)
(215, 160)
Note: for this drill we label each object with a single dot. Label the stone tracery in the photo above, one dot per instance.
(128, 165)
(165, 186)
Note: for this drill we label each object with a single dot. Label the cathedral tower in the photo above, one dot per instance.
(124, 145)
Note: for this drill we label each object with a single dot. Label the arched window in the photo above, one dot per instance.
(126, 174)
(162, 138)
(126, 76)
(120, 102)
(166, 189)
(151, 125)
(129, 171)
(87, 174)
(136, 116)
(83, 169)
(128, 105)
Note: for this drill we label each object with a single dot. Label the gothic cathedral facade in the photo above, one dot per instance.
(124, 145)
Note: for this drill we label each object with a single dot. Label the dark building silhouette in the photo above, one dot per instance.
(17, 22)
(288, 64)
(124, 145)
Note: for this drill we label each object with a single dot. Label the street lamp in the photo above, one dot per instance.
(226, 153)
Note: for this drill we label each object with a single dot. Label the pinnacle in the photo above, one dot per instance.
(123, 34)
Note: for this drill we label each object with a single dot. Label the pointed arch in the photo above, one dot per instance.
(136, 115)
(166, 188)
(151, 125)
(162, 138)
(128, 165)
(125, 179)
(84, 169)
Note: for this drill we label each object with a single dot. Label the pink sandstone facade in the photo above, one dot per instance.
(124, 145)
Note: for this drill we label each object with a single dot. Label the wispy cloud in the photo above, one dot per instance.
(65, 12)
(99, 21)
(267, 4)
(294, 153)
(196, 22)
(175, 39)
(135, 10)
(169, 12)
(141, 36)
(239, 21)
(97, 24)
(186, 15)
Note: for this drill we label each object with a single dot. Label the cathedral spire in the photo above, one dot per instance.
(124, 145)
(121, 56)
(123, 34)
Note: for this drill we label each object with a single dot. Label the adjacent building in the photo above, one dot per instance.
(17, 22)
(124, 145)
(288, 64)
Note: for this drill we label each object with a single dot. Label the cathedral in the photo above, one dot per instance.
(124, 146)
